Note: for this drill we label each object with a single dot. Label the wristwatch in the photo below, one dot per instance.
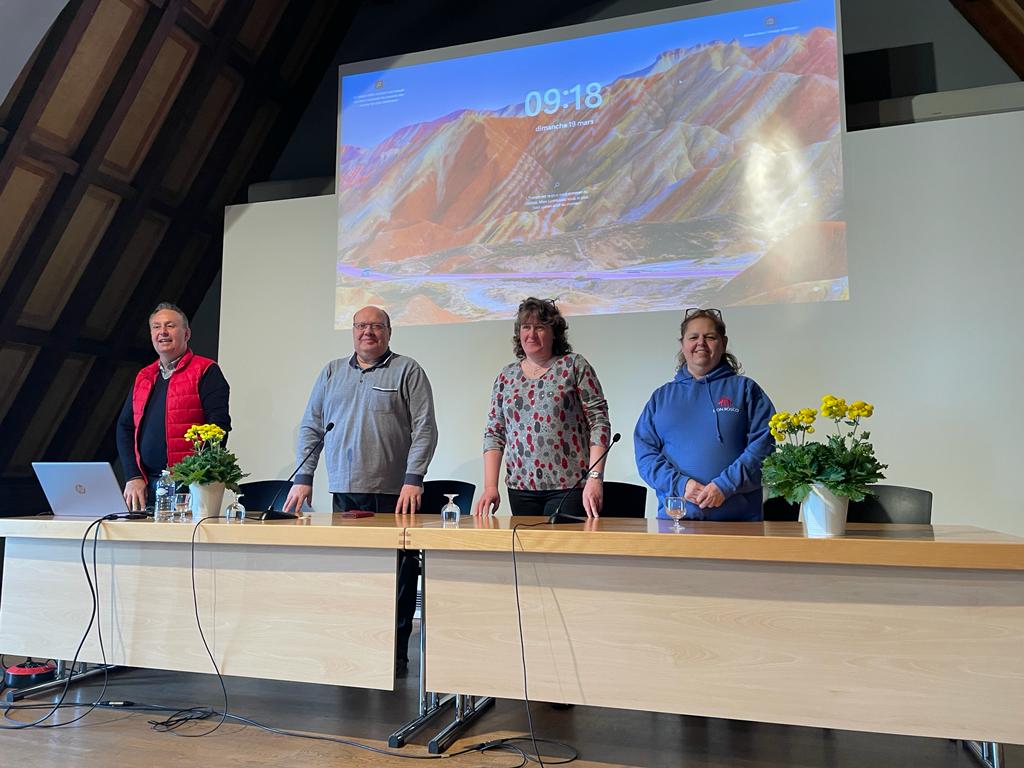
(595, 475)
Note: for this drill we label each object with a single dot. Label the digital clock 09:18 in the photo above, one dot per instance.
(553, 100)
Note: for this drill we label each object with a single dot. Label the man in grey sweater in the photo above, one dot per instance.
(383, 439)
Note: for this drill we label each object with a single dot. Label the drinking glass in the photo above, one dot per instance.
(674, 508)
(450, 511)
(183, 505)
(235, 510)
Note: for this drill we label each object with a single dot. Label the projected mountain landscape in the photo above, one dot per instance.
(711, 176)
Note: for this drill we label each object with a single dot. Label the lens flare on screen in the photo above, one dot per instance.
(642, 164)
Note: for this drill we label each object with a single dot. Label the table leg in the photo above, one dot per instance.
(467, 710)
(988, 753)
(430, 703)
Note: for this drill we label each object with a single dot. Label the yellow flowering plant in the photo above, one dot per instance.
(210, 461)
(845, 464)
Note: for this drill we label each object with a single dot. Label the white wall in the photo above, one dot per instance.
(929, 336)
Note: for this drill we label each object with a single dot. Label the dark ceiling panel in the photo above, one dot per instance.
(92, 68)
(15, 362)
(151, 105)
(204, 11)
(22, 201)
(69, 258)
(132, 127)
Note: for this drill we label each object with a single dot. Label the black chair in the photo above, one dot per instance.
(433, 496)
(260, 494)
(624, 500)
(892, 504)
(889, 504)
(780, 510)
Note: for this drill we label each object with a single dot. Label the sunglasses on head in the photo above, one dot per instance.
(546, 302)
(694, 311)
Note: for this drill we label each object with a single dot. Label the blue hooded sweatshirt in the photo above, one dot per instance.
(713, 429)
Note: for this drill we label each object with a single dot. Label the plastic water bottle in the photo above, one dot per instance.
(164, 507)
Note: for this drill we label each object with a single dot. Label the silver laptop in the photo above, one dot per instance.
(80, 488)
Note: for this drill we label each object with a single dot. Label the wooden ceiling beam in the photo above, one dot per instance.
(284, 127)
(148, 181)
(206, 37)
(47, 70)
(194, 209)
(127, 192)
(62, 163)
(292, 109)
(151, 174)
(154, 31)
(263, 84)
(81, 346)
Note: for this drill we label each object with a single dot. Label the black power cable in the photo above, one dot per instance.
(172, 723)
(522, 652)
(181, 716)
(92, 582)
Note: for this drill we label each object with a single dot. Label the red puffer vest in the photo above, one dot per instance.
(184, 408)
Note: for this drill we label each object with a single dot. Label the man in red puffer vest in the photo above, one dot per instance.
(170, 395)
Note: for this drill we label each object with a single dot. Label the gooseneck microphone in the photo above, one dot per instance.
(558, 510)
(273, 514)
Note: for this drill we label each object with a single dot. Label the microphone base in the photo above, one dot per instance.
(561, 517)
(271, 514)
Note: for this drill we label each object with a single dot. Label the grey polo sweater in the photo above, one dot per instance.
(384, 429)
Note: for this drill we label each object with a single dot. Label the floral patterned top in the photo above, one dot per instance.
(546, 425)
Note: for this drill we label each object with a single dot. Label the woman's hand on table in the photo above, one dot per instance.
(593, 497)
(488, 502)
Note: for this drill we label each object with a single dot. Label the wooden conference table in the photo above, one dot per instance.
(892, 628)
(900, 629)
(310, 600)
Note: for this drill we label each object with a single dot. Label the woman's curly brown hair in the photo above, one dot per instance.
(542, 312)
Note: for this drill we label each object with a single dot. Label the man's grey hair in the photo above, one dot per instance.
(173, 308)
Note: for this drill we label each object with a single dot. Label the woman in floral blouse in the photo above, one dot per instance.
(549, 417)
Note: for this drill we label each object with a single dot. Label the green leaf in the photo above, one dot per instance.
(847, 467)
(211, 463)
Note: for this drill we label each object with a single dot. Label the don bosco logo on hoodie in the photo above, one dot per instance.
(725, 405)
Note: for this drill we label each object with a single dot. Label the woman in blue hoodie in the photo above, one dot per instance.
(704, 435)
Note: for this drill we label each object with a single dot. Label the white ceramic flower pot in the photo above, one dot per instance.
(207, 499)
(823, 513)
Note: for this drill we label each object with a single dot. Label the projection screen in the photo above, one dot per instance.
(681, 158)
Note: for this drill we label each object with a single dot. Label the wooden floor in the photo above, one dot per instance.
(603, 737)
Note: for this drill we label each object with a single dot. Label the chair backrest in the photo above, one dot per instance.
(434, 491)
(259, 494)
(889, 504)
(780, 510)
(892, 504)
(624, 499)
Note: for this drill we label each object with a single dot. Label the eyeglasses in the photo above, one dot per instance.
(692, 311)
(550, 303)
(375, 327)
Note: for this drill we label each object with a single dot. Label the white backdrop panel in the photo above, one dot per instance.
(930, 334)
